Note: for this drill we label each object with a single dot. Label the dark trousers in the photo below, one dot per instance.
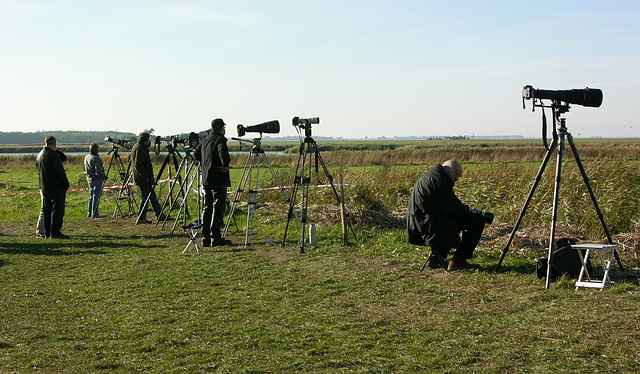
(471, 226)
(215, 203)
(148, 193)
(53, 213)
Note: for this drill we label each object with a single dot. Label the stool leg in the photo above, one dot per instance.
(193, 236)
(605, 277)
(583, 260)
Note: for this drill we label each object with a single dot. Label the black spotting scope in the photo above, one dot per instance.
(591, 97)
(271, 127)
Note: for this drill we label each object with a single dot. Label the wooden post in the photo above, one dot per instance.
(345, 240)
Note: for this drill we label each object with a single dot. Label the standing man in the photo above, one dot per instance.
(53, 185)
(40, 223)
(436, 217)
(94, 171)
(143, 177)
(213, 155)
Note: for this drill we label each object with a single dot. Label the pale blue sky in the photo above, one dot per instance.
(366, 68)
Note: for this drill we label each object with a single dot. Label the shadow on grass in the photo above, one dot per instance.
(522, 268)
(52, 249)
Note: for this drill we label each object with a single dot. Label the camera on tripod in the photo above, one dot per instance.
(194, 138)
(305, 122)
(190, 140)
(270, 127)
(590, 97)
(120, 142)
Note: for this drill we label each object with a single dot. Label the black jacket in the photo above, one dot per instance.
(433, 207)
(212, 154)
(53, 178)
(141, 164)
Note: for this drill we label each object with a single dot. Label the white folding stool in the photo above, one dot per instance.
(191, 231)
(606, 265)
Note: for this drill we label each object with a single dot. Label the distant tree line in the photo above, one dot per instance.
(63, 137)
(87, 137)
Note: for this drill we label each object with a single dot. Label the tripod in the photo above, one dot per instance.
(558, 109)
(124, 192)
(191, 168)
(171, 156)
(246, 181)
(304, 170)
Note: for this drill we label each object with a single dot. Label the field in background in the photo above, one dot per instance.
(498, 178)
(121, 298)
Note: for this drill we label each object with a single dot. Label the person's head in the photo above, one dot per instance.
(144, 138)
(453, 169)
(50, 142)
(94, 148)
(218, 125)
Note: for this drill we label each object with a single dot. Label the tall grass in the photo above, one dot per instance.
(379, 182)
(503, 189)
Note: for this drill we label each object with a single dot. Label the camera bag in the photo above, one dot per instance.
(565, 260)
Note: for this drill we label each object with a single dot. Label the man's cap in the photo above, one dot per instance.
(217, 124)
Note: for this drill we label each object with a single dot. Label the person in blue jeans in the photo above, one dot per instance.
(94, 171)
(143, 177)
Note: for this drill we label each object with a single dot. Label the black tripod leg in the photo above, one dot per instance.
(237, 195)
(294, 193)
(145, 204)
(290, 211)
(556, 198)
(526, 203)
(593, 196)
(171, 201)
(425, 263)
(443, 261)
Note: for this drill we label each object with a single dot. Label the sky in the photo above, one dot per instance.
(366, 68)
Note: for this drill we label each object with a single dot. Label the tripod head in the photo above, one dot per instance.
(257, 142)
(114, 150)
(305, 123)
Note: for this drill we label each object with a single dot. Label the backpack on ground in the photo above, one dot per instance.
(565, 260)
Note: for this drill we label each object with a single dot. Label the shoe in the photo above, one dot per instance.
(143, 220)
(221, 242)
(435, 263)
(40, 235)
(162, 217)
(206, 242)
(60, 236)
(460, 264)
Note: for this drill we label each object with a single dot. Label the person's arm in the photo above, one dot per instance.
(447, 201)
(100, 168)
(197, 152)
(225, 158)
(58, 171)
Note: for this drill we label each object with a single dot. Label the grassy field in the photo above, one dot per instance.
(120, 297)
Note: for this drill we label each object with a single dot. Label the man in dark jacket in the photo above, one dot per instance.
(436, 217)
(214, 158)
(143, 177)
(53, 185)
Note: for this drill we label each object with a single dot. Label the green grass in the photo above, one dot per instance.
(120, 297)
